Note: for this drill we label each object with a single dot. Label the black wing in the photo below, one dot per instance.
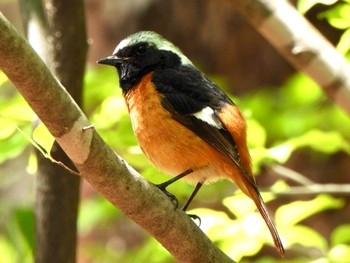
(187, 91)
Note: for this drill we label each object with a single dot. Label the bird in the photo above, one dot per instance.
(184, 123)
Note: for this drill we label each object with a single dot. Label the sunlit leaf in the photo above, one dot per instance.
(213, 223)
(305, 5)
(99, 84)
(18, 111)
(322, 141)
(240, 246)
(344, 43)
(32, 142)
(304, 236)
(339, 254)
(8, 251)
(32, 166)
(293, 213)
(43, 137)
(12, 146)
(7, 128)
(240, 205)
(299, 90)
(327, 142)
(281, 153)
(3, 78)
(111, 110)
(256, 133)
(237, 238)
(338, 16)
(280, 186)
(341, 235)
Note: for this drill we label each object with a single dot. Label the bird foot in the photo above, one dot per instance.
(194, 218)
(172, 197)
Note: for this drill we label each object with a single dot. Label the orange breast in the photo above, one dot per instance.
(169, 145)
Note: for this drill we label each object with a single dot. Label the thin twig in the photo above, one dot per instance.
(291, 174)
(315, 189)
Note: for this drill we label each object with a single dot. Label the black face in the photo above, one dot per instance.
(137, 60)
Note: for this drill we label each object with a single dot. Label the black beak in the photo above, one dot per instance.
(111, 60)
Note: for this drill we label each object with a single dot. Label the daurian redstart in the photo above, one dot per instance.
(185, 125)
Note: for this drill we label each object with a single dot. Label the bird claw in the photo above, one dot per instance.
(168, 194)
(195, 217)
(173, 198)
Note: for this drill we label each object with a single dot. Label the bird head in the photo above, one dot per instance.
(143, 52)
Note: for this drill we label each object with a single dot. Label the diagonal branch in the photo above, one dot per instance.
(97, 163)
(301, 44)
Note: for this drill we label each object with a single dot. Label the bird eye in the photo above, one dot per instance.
(141, 48)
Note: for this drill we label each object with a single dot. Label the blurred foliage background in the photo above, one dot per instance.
(299, 142)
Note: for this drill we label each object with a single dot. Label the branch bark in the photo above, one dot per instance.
(300, 44)
(97, 163)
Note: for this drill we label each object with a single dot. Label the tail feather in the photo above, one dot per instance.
(259, 202)
(248, 186)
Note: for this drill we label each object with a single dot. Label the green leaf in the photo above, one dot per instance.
(305, 236)
(322, 141)
(99, 85)
(94, 212)
(344, 43)
(327, 142)
(338, 16)
(43, 137)
(3, 78)
(7, 128)
(341, 235)
(240, 205)
(281, 153)
(293, 213)
(111, 110)
(339, 254)
(18, 110)
(256, 134)
(244, 236)
(32, 142)
(8, 251)
(213, 223)
(12, 146)
(305, 5)
(25, 221)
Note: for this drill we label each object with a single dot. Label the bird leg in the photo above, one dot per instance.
(164, 185)
(189, 200)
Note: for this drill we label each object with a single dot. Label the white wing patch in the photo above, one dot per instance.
(207, 115)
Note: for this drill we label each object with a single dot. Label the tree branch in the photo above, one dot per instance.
(97, 163)
(301, 44)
